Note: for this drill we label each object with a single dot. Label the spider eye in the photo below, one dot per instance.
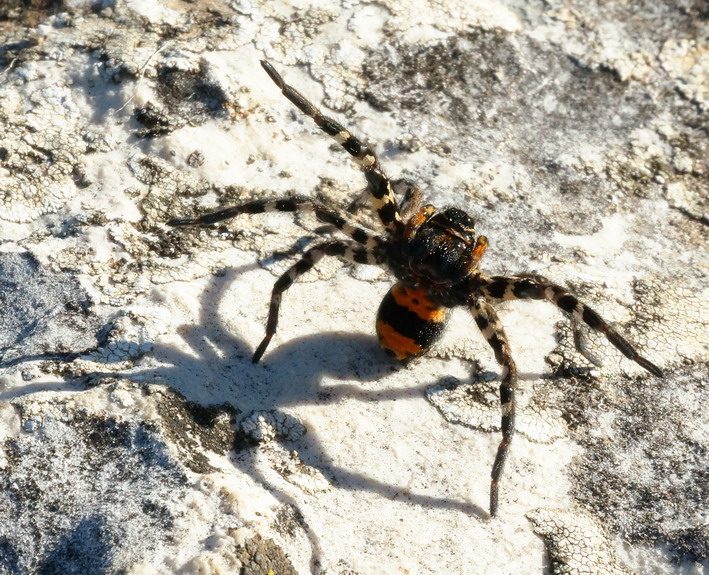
(458, 223)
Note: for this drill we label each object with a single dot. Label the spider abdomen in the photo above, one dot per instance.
(409, 322)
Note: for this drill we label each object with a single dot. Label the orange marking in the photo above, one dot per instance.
(419, 218)
(480, 246)
(399, 345)
(417, 301)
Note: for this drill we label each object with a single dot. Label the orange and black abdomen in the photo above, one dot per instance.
(408, 322)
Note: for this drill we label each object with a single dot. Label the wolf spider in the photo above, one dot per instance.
(433, 254)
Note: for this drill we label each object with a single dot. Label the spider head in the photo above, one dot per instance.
(441, 246)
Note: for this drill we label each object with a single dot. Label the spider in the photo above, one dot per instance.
(434, 254)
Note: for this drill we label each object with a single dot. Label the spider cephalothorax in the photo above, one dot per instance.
(439, 250)
(433, 254)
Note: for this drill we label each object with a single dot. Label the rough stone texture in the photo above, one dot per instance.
(260, 556)
(135, 435)
(576, 544)
(43, 310)
(81, 492)
(663, 467)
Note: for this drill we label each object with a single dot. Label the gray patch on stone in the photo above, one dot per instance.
(96, 505)
(43, 312)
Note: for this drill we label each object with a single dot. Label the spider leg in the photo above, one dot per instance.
(359, 150)
(581, 343)
(499, 288)
(380, 188)
(348, 251)
(486, 319)
(322, 212)
(409, 197)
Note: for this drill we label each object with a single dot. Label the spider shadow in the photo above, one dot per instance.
(290, 374)
(212, 366)
(218, 369)
(345, 365)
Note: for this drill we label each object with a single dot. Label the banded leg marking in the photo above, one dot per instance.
(489, 324)
(499, 288)
(346, 250)
(383, 200)
(296, 204)
(408, 196)
(359, 150)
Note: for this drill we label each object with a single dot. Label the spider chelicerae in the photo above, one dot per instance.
(434, 255)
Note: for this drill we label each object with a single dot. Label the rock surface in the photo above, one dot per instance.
(135, 434)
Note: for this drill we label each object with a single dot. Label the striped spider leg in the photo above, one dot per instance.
(489, 324)
(365, 248)
(379, 186)
(530, 286)
(533, 286)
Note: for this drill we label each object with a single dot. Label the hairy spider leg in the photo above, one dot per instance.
(348, 251)
(410, 198)
(417, 220)
(500, 288)
(380, 188)
(489, 324)
(322, 212)
(359, 150)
